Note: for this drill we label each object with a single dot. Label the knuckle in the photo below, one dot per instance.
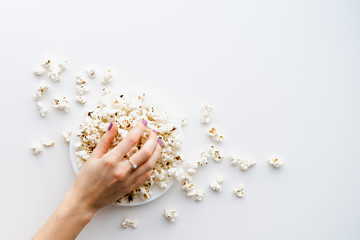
(147, 153)
(131, 140)
(149, 166)
(109, 162)
(120, 176)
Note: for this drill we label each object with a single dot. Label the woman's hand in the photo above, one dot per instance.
(103, 179)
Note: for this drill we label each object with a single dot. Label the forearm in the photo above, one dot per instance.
(67, 221)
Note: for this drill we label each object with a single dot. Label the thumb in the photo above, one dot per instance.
(105, 142)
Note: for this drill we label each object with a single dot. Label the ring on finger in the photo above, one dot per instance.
(133, 165)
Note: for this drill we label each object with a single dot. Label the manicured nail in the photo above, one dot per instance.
(144, 122)
(154, 131)
(160, 142)
(110, 126)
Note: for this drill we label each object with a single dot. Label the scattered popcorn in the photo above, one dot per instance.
(275, 162)
(244, 164)
(54, 70)
(108, 76)
(40, 90)
(81, 99)
(204, 159)
(239, 190)
(81, 89)
(39, 71)
(217, 184)
(170, 215)
(36, 148)
(48, 143)
(207, 113)
(91, 73)
(80, 80)
(62, 104)
(105, 91)
(214, 135)
(130, 223)
(67, 134)
(215, 154)
(41, 108)
(199, 195)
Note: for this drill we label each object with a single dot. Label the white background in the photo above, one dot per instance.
(283, 77)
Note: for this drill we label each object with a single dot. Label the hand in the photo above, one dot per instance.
(102, 180)
(107, 176)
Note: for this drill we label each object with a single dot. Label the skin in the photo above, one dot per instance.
(103, 179)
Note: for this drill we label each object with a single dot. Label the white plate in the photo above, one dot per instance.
(157, 191)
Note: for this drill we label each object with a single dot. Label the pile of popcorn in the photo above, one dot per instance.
(125, 112)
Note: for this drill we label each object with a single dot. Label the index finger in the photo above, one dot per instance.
(129, 141)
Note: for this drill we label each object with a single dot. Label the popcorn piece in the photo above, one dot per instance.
(217, 184)
(91, 72)
(214, 135)
(81, 99)
(244, 164)
(36, 148)
(62, 104)
(239, 190)
(107, 77)
(183, 121)
(40, 90)
(204, 159)
(66, 135)
(55, 76)
(275, 162)
(234, 160)
(215, 154)
(207, 114)
(199, 195)
(81, 89)
(170, 215)
(130, 223)
(62, 66)
(105, 91)
(46, 63)
(80, 80)
(39, 71)
(48, 143)
(42, 109)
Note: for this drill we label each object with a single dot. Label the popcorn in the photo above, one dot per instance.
(170, 215)
(81, 99)
(80, 80)
(67, 134)
(199, 195)
(105, 91)
(130, 223)
(62, 104)
(81, 89)
(239, 190)
(204, 159)
(214, 135)
(36, 148)
(39, 71)
(40, 90)
(108, 76)
(48, 143)
(91, 73)
(207, 114)
(54, 70)
(244, 164)
(183, 121)
(275, 162)
(42, 110)
(62, 66)
(126, 113)
(215, 154)
(217, 184)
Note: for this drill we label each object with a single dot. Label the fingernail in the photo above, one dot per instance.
(160, 142)
(144, 122)
(110, 126)
(154, 131)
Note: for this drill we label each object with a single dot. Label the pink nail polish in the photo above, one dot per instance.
(110, 126)
(160, 141)
(154, 131)
(144, 122)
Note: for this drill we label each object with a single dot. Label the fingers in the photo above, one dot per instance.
(140, 180)
(146, 151)
(147, 165)
(130, 141)
(105, 142)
